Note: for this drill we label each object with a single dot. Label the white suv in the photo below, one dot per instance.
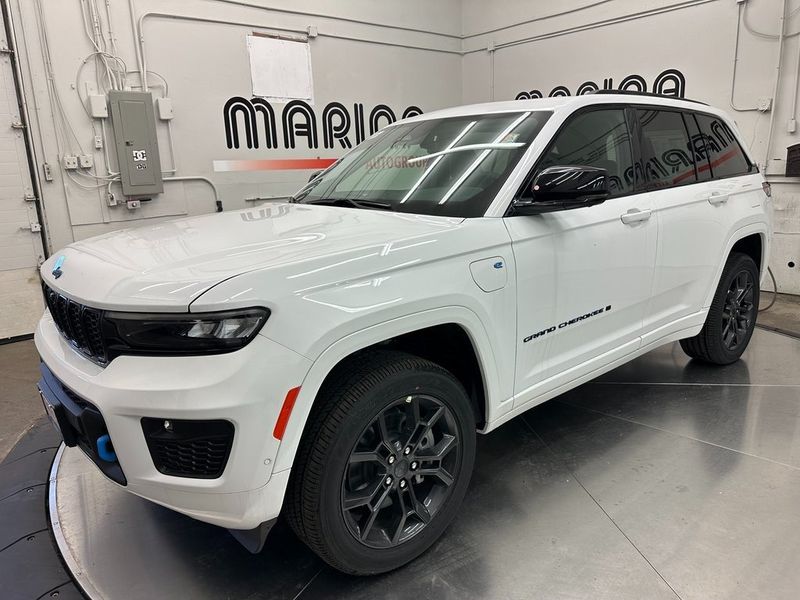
(332, 358)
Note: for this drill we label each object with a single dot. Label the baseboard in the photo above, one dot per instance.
(16, 338)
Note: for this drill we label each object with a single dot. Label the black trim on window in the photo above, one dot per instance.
(690, 149)
(693, 117)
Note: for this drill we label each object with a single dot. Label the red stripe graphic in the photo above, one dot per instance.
(705, 166)
(279, 164)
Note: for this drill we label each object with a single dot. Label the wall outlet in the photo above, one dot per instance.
(764, 104)
(98, 142)
(86, 161)
(70, 162)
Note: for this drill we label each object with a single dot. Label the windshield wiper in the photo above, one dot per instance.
(467, 148)
(352, 203)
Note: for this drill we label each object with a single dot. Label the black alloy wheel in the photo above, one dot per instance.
(400, 471)
(384, 462)
(738, 312)
(732, 315)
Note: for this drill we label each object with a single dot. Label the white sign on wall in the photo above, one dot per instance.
(280, 69)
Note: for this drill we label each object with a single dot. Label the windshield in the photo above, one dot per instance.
(450, 167)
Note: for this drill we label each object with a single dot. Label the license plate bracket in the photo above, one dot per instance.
(56, 416)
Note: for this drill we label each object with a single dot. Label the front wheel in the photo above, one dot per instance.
(384, 463)
(732, 316)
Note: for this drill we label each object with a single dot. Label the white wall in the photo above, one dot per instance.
(543, 45)
(416, 52)
(367, 52)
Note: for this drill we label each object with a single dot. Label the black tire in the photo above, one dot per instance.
(364, 401)
(732, 316)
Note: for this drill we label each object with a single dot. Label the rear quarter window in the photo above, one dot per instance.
(726, 157)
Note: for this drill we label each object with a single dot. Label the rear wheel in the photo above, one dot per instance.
(384, 465)
(732, 316)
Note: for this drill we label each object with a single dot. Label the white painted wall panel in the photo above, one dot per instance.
(422, 53)
(20, 248)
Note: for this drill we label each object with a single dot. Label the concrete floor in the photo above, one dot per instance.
(20, 405)
(665, 478)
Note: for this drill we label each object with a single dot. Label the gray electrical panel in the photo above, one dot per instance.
(134, 125)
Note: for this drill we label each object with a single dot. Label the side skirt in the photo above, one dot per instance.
(536, 395)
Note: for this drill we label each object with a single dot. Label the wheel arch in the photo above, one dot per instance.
(410, 333)
(753, 246)
(752, 240)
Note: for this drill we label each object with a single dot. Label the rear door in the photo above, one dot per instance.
(583, 276)
(696, 173)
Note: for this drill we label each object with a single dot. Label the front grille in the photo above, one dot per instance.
(78, 323)
(184, 448)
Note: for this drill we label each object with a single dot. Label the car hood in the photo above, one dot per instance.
(167, 266)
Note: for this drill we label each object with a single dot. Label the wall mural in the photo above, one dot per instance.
(253, 124)
(256, 125)
(670, 82)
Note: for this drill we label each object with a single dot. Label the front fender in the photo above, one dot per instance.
(339, 350)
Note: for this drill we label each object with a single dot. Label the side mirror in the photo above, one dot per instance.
(564, 188)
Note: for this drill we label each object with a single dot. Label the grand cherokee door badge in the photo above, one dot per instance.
(564, 324)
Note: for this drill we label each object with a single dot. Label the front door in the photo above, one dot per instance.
(584, 276)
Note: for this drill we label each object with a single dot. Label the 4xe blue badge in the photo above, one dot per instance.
(57, 272)
(498, 264)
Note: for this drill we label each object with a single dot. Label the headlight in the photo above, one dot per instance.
(198, 333)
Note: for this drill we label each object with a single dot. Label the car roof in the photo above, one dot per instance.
(568, 103)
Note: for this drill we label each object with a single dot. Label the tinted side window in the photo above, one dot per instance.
(596, 139)
(727, 157)
(666, 151)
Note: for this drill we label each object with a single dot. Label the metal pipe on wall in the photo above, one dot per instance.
(537, 19)
(775, 87)
(595, 25)
(740, 10)
(345, 19)
(138, 29)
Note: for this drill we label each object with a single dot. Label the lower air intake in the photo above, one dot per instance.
(183, 448)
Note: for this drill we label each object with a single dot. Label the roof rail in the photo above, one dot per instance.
(648, 94)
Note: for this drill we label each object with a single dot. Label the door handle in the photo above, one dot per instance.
(635, 215)
(717, 198)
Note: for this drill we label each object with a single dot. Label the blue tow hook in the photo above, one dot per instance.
(105, 450)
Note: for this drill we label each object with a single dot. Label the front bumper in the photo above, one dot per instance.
(246, 388)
